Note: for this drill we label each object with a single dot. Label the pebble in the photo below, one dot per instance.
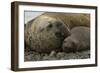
(53, 53)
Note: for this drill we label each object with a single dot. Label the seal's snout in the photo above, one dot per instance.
(61, 30)
(68, 49)
(58, 34)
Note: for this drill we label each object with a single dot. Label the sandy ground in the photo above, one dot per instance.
(34, 56)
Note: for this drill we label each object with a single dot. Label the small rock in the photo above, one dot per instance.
(28, 57)
(53, 53)
(46, 58)
(60, 55)
(37, 57)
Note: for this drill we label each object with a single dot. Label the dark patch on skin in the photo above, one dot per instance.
(58, 24)
(41, 29)
(50, 25)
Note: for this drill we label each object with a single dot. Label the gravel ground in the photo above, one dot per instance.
(34, 56)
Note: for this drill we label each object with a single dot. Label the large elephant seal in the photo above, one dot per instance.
(70, 19)
(45, 34)
(78, 40)
(47, 31)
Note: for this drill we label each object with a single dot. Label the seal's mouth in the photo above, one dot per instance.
(59, 35)
(68, 49)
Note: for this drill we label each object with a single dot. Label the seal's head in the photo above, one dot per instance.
(69, 44)
(49, 24)
(46, 34)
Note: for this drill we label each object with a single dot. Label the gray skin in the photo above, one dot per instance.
(78, 40)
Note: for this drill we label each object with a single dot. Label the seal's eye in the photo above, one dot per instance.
(50, 26)
(73, 44)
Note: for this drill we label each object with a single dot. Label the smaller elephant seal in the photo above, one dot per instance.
(78, 40)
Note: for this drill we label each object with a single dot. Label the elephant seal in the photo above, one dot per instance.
(45, 34)
(47, 31)
(71, 20)
(78, 40)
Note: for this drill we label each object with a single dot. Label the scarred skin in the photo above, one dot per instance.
(78, 40)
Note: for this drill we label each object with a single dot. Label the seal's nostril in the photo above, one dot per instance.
(65, 47)
(58, 34)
